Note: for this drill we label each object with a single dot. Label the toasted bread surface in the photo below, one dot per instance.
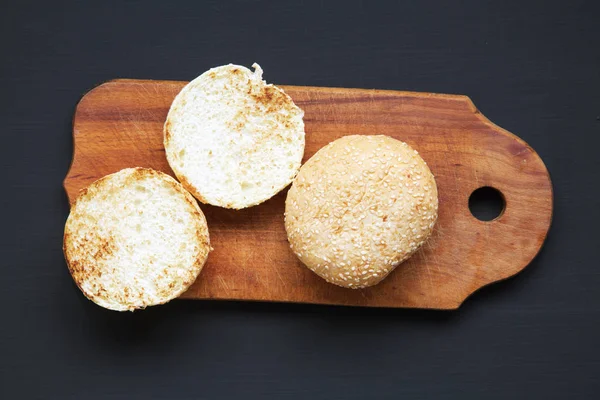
(135, 238)
(233, 140)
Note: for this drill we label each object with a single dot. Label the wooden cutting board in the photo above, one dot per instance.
(119, 124)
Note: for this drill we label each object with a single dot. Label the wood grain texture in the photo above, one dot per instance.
(119, 124)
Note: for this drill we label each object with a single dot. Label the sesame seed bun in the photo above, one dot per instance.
(359, 207)
(134, 239)
(233, 140)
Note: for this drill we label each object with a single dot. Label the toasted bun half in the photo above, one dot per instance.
(232, 140)
(134, 239)
(359, 207)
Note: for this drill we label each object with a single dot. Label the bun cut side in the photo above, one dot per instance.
(134, 239)
(233, 140)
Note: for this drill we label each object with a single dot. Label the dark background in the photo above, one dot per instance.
(533, 67)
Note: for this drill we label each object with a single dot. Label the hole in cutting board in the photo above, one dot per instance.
(487, 203)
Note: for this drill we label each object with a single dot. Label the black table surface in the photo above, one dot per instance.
(532, 67)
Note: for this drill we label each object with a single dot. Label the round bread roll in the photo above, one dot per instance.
(134, 239)
(359, 207)
(232, 140)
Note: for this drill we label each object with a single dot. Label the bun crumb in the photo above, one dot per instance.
(233, 140)
(134, 239)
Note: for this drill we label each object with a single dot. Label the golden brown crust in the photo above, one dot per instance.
(189, 187)
(359, 207)
(167, 132)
